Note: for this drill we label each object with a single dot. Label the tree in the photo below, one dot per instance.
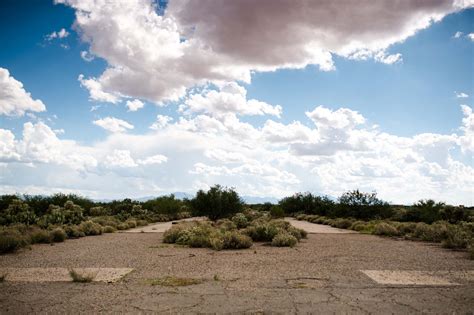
(362, 205)
(218, 202)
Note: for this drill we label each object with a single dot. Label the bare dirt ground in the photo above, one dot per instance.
(327, 273)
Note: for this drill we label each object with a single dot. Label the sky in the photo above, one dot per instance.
(115, 99)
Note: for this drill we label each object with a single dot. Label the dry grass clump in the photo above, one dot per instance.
(385, 229)
(81, 278)
(11, 240)
(90, 228)
(171, 281)
(58, 235)
(73, 231)
(108, 229)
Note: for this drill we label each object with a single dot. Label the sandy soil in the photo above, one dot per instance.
(323, 274)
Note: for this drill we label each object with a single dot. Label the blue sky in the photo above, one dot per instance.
(417, 94)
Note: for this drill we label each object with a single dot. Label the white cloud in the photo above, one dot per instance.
(161, 122)
(86, 56)
(259, 161)
(154, 159)
(467, 139)
(231, 98)
(62, 33)
(96, 91)
(158, 58)
(461, 95)
(113, 124)
(14, 100)
(457, 34)
(471, 36)
(134, 105)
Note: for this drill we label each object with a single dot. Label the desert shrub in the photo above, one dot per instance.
(218, 202)
(470, 249)
(297, 233)
(284, 239)
(226, 225)
(406, 228)
(38, 235)
(122, 226)
(99, 211)
(58, 235)
(358, 226)
(73, 231)
(216, 242)
(90, 228)
(456, 238)
(174, 233)
(240, 220)
(131, 224)
(277, 212)
(81, 278)
(385, 229)
(183, 214)
(106, 220)
(262, 232)
(167, 205)
(236, 240)
(361, 205)
(11, 240)
(307, 203)
(422, 231)
(108, 229)
(342, 223)
(142, 222)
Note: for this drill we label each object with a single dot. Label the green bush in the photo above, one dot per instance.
(58, 235)
(73, 231)
(226, 225)
(240, 220)
(218, 202)
(122, 226)
(108, 229)
(236, 240)
(90, 228)
(11, 240)
(456, 238)
(277, 212)
(385, 229)
(284, 239)
(38, 235)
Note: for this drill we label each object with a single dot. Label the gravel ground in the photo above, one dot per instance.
(323, 274)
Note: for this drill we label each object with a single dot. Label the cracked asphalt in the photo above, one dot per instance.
(320, 275)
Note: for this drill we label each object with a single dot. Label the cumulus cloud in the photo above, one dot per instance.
(259, 161)
(86, 56)
(62, 33)
(467, 139)
(231, 98)
(14, 100)
(159, 57)
(458, 34)
(471, 36)
(161, 122)
(113, 124)
(134, 105)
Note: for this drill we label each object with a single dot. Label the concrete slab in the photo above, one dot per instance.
(62, 274)
(411, 277)
(317, 228)
(161, 226)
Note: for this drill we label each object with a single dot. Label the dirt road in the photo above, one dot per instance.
(327, 273)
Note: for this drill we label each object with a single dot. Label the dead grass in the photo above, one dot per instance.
(81, 278)
(171, 281)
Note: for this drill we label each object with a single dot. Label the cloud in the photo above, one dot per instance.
(467, 139)
(14, 100)
(62, 33)
(461, 95)
(113, 124)
(338, 151)
(471, 36)
(458, 34)
(96, 92)
(134, 105)
(161, 122)
(160, 57)
(230, 98)
(86, 56)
